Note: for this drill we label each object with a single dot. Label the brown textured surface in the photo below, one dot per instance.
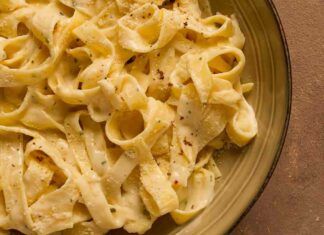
(293, 201)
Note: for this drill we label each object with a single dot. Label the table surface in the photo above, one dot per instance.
(293, 201)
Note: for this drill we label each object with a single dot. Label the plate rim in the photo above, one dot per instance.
(279, 24)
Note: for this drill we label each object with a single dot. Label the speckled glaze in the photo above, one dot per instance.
(246, 172)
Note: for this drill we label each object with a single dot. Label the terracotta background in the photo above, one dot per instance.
(293, 201)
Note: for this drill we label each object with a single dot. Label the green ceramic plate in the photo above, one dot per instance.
(246, 172)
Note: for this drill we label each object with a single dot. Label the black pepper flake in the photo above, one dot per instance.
(181, 152)
(161, 74)
(61, 13)
(167, 2)
(185, 24)
(39, 158)
(131, 60)
(113, 210)
(186, 142)
(13, 165)
(103, 162)
(181, 118)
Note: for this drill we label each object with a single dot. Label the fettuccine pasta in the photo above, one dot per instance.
(111, 110)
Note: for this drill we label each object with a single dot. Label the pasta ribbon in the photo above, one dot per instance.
(147, 28)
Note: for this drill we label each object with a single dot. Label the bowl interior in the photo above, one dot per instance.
(245, 171)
